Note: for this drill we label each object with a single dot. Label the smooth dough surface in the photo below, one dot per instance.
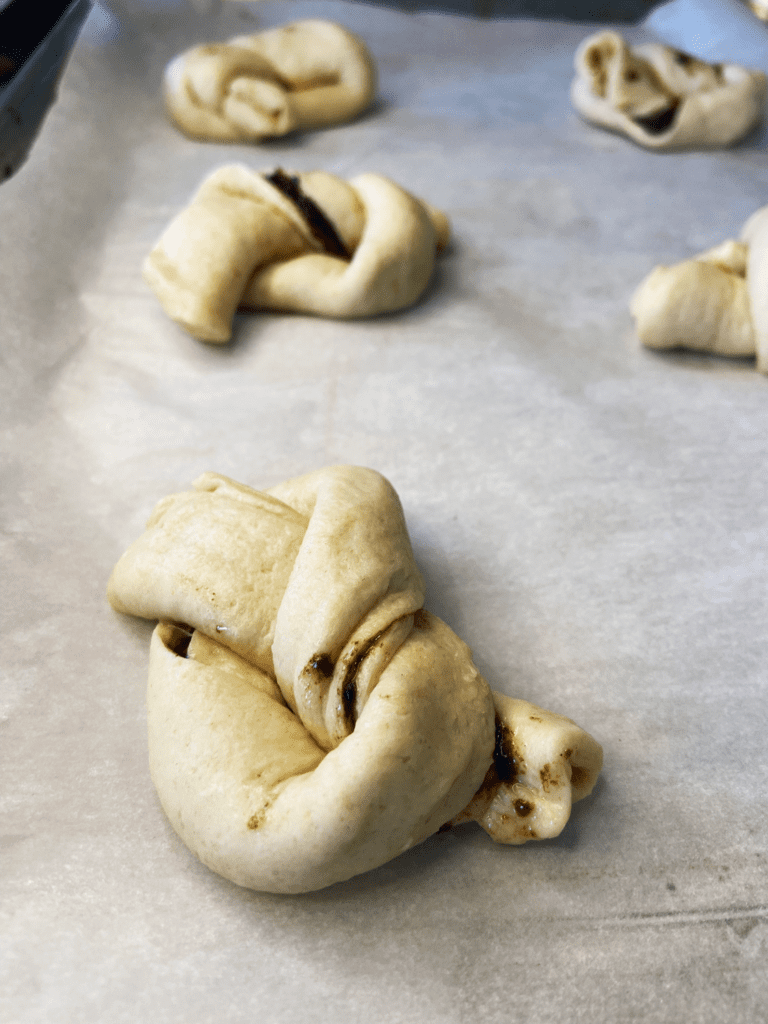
(309, 74)
(308, 719)
(242, 242)
(715, 302)
(662, 98)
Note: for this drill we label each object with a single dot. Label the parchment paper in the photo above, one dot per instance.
(590, 517)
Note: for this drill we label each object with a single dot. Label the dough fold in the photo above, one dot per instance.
(306, 242)
(715, 302)
(308, 719)
(309, 74)
(662, 98)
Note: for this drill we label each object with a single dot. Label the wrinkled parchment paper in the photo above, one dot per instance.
(590, 517)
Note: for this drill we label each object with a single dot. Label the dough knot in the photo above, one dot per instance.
(715, 302)
(662, 98)
(309, 74)
(308, 719)
(307, 242)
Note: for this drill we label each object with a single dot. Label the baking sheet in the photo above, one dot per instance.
(590, 517)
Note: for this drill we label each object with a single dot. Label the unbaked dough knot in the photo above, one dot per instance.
(663, 98)
(308, 719)
(309, 74)
(715, 302)
(306, 242)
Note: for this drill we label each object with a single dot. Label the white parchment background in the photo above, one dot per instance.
(590, 516)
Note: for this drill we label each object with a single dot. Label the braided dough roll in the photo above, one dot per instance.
(308, 720)
(308, 243)
(716, 302)
(663, 98)
(310, 74)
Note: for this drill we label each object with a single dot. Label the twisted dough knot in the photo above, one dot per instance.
(308, 720)
(663, 98)
(306, 75)
(305, 243)
(716, 302)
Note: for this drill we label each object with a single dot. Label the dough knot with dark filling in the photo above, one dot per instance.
(306, 242)
(663, 98)
(308, 719)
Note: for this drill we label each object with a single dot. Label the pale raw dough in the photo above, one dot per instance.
(243, 243)
(715, 302)
(543, 762)
(663, 98)
(309, 74)
(308, 720)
